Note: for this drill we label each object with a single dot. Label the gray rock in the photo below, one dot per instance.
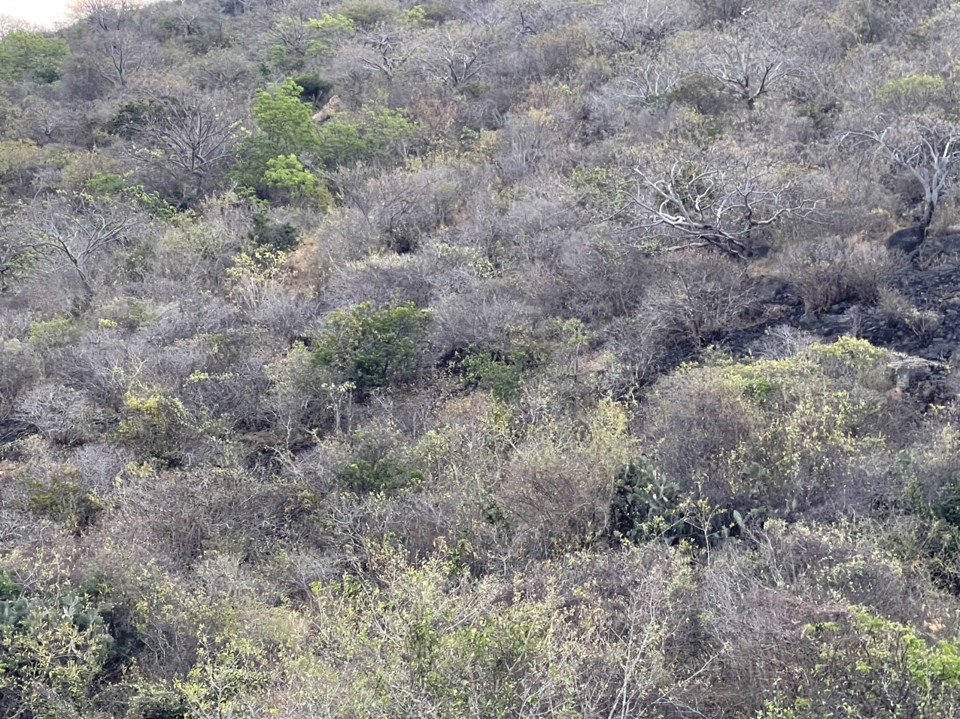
(909, 372)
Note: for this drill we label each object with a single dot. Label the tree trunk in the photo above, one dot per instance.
(926, 218)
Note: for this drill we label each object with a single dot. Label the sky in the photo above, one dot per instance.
(37, 12)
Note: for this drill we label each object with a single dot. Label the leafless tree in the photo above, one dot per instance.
(651, 78)
(106, 15)
(747, 67)
(716, 204)
(457, 57)
(630, 24)
(926, 147)
(187, 136)
(385, 51)
(8, 24)
(57, 233)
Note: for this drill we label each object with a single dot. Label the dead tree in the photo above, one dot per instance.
(715, 205)
(926, 147)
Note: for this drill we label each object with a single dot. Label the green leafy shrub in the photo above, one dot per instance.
(56, 332)
(499, 372)
(373, 348)
(52, 647)
(427, 639)
(63, 499)
(328, 30)
(345, 139)
(288, 181)
(31, 56)
(285, 130)
(156, 424)
(367, 15)
(873, 669)
(315, 89)
(912, 92)
(376, 467)
(105, 184)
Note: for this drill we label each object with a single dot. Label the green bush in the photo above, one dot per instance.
(31, 56)
(156, 424)
(871, 668)
(63, 499)
(52, 648)
(315, 89)
(286, 130)
(372, 347)
(345, 139)
(499, 372)
(288, 181)
(367, 15)
(376, 468)
(57, 332)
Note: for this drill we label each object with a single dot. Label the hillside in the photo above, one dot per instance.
(481, 358)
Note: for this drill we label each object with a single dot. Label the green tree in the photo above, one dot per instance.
(31, 56)
(285, 129)
(374, 134)
(285, 122)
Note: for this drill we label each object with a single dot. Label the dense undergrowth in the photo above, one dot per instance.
(472, 358)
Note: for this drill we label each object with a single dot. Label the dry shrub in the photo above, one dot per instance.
(602, 276)
(755, 629)
(900, 312)
(695, 422)
(696, 295)
(637, 348)
(783, 341)
(852, 562)
(485, 312)
(20, 367)
(777, 437)
(824, 272)
(178, 518)
(63, 415)
(50, 487)
(343, 235)
(754, 602)
(557, 488)
(381, 279)
(404, 207)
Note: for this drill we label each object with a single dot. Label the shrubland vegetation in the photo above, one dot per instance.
(474, 358)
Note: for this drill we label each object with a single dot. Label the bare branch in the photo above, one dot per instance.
(747, 69)
(188, 137)
(717, 207)
(926, 147)
(57, 233)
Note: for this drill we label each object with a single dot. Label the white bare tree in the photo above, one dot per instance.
(457, 56)
(928, 148)
(629, 25)
(716, 202)
(107, 15)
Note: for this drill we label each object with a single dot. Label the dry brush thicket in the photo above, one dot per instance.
(480, 359)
